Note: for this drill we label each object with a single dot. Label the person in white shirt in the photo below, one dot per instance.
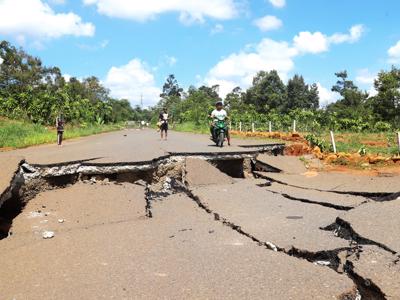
(163, 121)
(219, 113)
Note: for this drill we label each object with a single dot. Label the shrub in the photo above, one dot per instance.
(381, 126)
(313, 141)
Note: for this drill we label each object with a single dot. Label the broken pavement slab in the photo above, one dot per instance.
(335, 200)
(286, 164)
(337, 182)
(375, 266)
(9, 167)
(201, 172)
(81, 205)
(271, 218)
(180, 253)
(375, 221)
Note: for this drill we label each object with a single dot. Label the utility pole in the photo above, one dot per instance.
(141, 101)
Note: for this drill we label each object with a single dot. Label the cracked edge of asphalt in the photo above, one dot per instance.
(78, 170)
(378, 197)
(325, 204)
(344, 230)
(15, 183)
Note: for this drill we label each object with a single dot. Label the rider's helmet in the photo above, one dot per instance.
(219, 103)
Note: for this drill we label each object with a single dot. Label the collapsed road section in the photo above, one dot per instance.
(178, 215)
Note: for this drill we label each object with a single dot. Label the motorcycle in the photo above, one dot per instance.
(220, 130)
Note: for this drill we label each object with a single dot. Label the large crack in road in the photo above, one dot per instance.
(167, 176)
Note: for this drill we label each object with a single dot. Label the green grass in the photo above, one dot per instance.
(19, 134)
(192, 127)
(374, 143)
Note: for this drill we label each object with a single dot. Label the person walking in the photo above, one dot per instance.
(60, 129)
(163, 121)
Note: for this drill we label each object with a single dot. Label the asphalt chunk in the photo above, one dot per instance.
(200, 172)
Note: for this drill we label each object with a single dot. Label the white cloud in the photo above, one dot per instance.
(189, 10)
(353, 36)
(365, 77)
(57, 2)
(278, 3)
(238, 69)
(326, 96)
(372, 92)
(218, 28)
(131, 81)
(67, 77)
(308, 42)
(394, 53)
(317, 42)
(268, 23)
(22, 19)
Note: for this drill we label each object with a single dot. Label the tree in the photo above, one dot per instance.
(353, 104)
(198, 104)
(313, 96)
(267, 92)
(386, 104)
(343, 85)
(233, 100)
(121, 110)
(29, 90)
(300, 95)
(171, 88)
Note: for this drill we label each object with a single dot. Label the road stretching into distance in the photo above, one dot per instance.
(125, 224)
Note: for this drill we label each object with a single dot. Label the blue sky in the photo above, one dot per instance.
(133, 45)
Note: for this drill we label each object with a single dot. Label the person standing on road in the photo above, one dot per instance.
(163, 121)
(60, 129)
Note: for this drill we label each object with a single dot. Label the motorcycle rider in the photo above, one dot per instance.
(219, 113)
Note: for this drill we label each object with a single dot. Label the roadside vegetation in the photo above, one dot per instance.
(20, 134)
(363, 124)
(33, 95)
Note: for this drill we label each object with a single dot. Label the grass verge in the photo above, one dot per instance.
(373, 143)
(192, 127)
(20, 134)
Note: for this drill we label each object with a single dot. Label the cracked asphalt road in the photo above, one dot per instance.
(272, 218)
(180, 253)
(210, 236)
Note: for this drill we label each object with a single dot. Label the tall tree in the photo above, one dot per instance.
(301, 95)
(313, 96)
(171, 88)
(233, 100)
(353, 102)
(268, 92)
(343, 85)
(386, 104)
